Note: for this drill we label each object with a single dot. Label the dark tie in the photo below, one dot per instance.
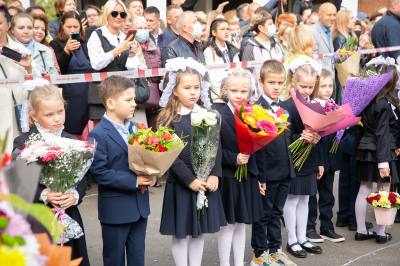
(276, 104)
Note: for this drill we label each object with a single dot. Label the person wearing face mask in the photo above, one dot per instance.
(148, 57)
(73, 58)
(262, 46)
(281, 37)
(22, 32)
(219, 51)
(185, 45)
(108, 51)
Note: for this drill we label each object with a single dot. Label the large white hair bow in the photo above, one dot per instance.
(181, 63)
(305, 60)
(28, 86)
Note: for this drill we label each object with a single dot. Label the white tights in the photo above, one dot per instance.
(296, 213)
(361, 207)
(180, 250)
(232, 235)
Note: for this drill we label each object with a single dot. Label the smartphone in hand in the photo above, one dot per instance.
(10, 53)
(130, 33)
(76, 36)
(83, 14)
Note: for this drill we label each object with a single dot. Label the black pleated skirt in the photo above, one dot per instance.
(369, 172)
(304, 185)
(179, 212)
(242, 200)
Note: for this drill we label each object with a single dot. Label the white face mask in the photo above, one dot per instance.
(197, 30)
(271, 31)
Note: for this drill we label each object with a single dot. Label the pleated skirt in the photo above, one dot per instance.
(179, 213)
(304, 185)
(242, 200)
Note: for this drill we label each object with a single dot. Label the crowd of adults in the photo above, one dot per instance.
(251, 32)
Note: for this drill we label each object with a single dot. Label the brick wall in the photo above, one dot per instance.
(369, 6)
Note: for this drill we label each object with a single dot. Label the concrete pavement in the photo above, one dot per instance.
(158, 247)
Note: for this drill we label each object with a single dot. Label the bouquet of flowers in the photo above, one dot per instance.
(204, 148)
(385, 205)
(361, 90)
(255, 128)
(65, 162)
(347, 60)
(316, 119)
(152, 153)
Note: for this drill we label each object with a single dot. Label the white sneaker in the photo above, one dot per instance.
(264, 260)
(282, 258)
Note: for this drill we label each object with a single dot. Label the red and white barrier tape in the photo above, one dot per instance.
(97, 77)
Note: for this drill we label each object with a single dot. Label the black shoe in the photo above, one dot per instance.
(383, 239)
(332, 236)
(313, 249)
(339, 224)
(313, 237)
(298, 253)
(397, 219)
(362, 237)
(88, 186)
(368, 225)
(283, 220)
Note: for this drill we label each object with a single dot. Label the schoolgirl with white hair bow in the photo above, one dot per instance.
(183, 86)
(237, 84)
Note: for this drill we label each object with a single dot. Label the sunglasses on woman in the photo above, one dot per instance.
(115, 14)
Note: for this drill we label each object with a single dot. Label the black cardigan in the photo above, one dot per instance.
(62, 57)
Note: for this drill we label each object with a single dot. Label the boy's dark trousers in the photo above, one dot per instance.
(266, 234)
(348, 190)
(325, 203)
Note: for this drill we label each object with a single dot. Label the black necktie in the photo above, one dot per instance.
(276, 104)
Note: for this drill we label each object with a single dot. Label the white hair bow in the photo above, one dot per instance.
(28, 86)
(305, 60)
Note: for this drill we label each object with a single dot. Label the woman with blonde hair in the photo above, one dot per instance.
(211, 16)
(282, 37)
(300, 41)
(229, 15)
(109, 50)
(344, 26)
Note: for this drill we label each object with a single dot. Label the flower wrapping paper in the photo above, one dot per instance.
(351, 65)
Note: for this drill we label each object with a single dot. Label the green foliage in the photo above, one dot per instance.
(48, 6)
(3, 222)
(351, 42)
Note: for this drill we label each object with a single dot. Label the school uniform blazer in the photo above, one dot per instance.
(315, 158)
(277, 162)
(19, 142)
(331, 160)
(230, 147)
(119, 200)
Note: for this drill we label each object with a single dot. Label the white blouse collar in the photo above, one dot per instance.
(185, 111)
(48, 133)
(231, 107)
(113, 39)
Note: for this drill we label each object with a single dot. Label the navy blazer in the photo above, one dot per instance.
(230, 147)
(315, 158)
(164, 40)
(275, 161)
(119, 200)
(331, 160)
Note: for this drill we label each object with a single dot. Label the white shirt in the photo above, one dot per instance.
(160, 32)
(270, 101)
(185, 111)
(98, 58)
(231, 107)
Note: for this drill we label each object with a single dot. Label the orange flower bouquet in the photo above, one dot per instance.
(255, 128)
(152, 153)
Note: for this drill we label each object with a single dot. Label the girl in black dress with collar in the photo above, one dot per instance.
(376, 154)
(47, 116)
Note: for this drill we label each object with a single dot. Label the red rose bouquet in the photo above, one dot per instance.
(255, 128)
(152, 153)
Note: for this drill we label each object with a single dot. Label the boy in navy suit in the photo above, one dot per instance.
(123, 209)
(275, 164)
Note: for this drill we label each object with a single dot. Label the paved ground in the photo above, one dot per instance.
(158, 247)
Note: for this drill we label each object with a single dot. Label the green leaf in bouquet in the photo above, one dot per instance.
(241, 112)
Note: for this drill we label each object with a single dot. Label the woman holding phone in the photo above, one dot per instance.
(109, 51)
(73, 58)
(12, 69)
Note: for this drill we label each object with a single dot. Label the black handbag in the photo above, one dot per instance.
(142, 90)
(17, 108)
